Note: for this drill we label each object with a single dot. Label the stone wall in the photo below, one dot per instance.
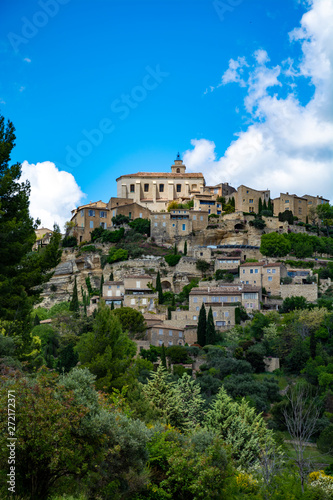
(309, 291)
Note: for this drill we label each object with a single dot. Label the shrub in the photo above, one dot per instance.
(88, 248)
(69, 241)
(202, 265)
(117, 254)
(172, 260)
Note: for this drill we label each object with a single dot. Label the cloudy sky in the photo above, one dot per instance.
(96, 89)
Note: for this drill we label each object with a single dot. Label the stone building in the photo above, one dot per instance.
(207, 203)
(247, 199)
(249, 296)
(132, 291)
(178, 222)
(155, 190)
(126, 206)
(263, 275)
(298, 205)
(87, 217)
(163, 334)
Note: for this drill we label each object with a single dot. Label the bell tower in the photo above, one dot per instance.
(178, 167)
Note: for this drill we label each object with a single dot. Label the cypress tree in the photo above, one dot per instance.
(36, 320)
(159, 288)
(185, 248)
(112, 306)
(210, 330)
(202, 326)
(163, 357)
(111, 276)
(74, 304)
(264, 207)
(260, 206)
(270, 205)
(101, 286)
(175, 251)
(169, 312)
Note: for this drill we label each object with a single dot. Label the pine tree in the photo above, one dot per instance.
(101, 286)
(202, 326)
(210, 330)
(260, 206)
(163, 357)
(22, 272)
(185, 248)
(74, 304)
(159, 288)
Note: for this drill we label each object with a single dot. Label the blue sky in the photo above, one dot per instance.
(103, 88)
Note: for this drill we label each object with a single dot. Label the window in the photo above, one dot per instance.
(247, 192)
(140, 215)
(243, 271)
(160, 342)
(102, 215)
(138, 284)
(160, 331)
(251, 271)
(132, 302)
(129, 215)
(215, 314)
(226, 314)
(201, 217)
(250, 201)
(178, 170)
(256, 271)
(144, 301)
(194, 317)
(173, 225)
(161, 188)
(109, 287)
(155, 224)
(155, 216)
(178, 188)
(204, 299)
(170, 342)
(268, 271)
(195, 300)
(248, 296)
(91, 213)
(194, 217)
(103, 225)
(82, 213)
(270, 278)
(114, 213)
(273, 271)
(183, 227)
(170, 333)
(197, 308)
(180, 334)
(146, 188)
(163, 224)
(286, 201)
(132, 188)
(91, 224)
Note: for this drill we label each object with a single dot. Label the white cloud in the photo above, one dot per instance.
(288, 146)
(54, 193)
(27, 59)
(21, 89)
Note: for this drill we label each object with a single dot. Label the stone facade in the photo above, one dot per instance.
(178, 223)
(126, 206)
(247, 199)
(156, 190)
(247, 295)
(297, 204)
(308, 291)
(263, 275)
(207, 203)
(226, 263)
(132, 291)
(164, 334)
(87, 217)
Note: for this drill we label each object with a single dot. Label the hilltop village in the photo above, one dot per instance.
(189, 234)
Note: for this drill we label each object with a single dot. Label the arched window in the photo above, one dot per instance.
(178, 170)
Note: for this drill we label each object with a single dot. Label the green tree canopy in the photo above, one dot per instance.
(274, 245)
(106, 351)
(131, 320)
